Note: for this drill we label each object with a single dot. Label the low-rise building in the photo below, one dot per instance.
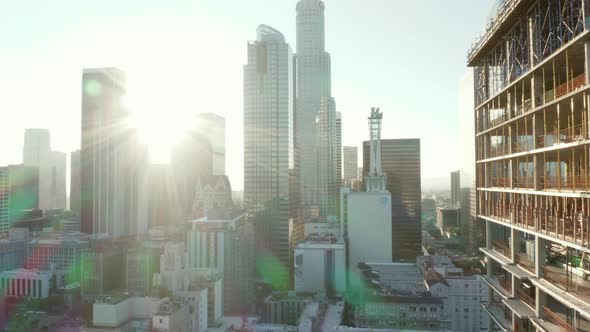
(447, 219)
(431, 294)
(25, 283)
(13, 249)
(173, 317)
(225, 243)
(58, 252)
(287, 307)
(123, 313)
(320, 266)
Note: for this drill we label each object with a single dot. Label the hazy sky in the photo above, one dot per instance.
(184, 57)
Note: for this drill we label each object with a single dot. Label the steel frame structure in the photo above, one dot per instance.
(549, 25)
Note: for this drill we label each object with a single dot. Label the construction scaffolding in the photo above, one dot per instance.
(548, 25)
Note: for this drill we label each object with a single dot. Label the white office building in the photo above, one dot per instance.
(366, 216)
(320, 266)
(25, 283)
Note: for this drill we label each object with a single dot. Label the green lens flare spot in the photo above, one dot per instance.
(92, 88)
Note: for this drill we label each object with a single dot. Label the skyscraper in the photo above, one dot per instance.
(315, 122)
(401, 164)
(190, 159)
(455, 188)
(52, 168)
(338, 149)
(75, 203)
(212, 126)
(111, 158)
(57, 176)
(349, 163)
(268, 139)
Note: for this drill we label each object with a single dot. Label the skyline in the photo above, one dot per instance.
(75, 39)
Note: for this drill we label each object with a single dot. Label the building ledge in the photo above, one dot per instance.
(548, 192)
(521, 309)
(553, 147)
(564, 297)
(545, 326)
(494, 283)
(497, 316)
(519, 272)
(568, 242)
(493, 254)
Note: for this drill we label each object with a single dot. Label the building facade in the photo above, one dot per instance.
(58, 253)
(338, 149)
(268, 140)
(52, 168)
(75, 194)
(25, 283)
(212, 126)
(401, 165)
(349, 163)
(455, 188)
(315, 129)
(320, 266)
(531, 118)
(112, 158)
(19, 192)
(226, 246)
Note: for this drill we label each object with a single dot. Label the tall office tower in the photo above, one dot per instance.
(401, 163)
(112, 159)
(338, 149)
(57, 175)
(315, 122)
(190, 159)
(52, 168)
(531, 109)
(212, 127)
(37, 153)
(37, 146)
(75, 203)
(349, 163)
(268, 139)
(455, 188)
(19, 191)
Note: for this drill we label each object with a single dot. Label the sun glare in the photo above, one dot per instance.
(160, 128)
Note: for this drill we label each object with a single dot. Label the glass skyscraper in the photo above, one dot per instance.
(315, 130)
(268, 140)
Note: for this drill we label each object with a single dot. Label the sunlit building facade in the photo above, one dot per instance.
(401, 165)
(532, 168)
(112, 158)
(268, 139)
(315, 129)
(19, 191)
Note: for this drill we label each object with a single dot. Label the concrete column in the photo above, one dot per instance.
(514, 243)
(540, 302)
(587, 62)
(540, 255)
(488, 234)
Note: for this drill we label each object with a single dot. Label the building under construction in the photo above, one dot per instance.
(533, 175)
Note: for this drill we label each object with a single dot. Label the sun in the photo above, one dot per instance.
(160, 126)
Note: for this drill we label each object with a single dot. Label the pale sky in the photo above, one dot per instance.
(183, 57)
